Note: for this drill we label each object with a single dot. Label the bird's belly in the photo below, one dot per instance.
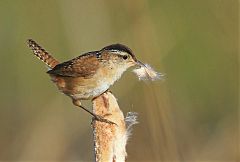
(80, 88)
(90, 92)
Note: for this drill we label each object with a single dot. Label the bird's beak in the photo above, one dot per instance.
(140, 64)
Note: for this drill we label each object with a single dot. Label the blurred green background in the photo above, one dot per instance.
(191, 115)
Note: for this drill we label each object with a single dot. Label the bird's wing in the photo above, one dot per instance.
(83, 66)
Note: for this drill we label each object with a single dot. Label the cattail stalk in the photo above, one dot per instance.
(110, 139)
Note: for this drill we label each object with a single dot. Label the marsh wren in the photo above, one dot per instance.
(89, 75)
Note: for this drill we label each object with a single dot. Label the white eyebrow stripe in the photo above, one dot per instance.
(119, 52)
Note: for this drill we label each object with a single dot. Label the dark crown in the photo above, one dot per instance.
(119, 47)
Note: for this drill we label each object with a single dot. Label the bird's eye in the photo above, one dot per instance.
(125, 57)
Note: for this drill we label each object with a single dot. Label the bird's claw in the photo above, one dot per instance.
(101, 119)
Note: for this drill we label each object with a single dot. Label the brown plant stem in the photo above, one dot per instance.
(109, 139)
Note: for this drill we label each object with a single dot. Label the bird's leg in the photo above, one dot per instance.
(95, 116)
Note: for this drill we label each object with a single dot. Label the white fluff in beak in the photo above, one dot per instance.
(146, 72)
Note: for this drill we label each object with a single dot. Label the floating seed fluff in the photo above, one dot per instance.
(146, 72)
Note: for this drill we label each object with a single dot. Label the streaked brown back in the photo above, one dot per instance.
(85, 65)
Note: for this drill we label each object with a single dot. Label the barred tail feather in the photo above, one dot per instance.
(42, 54)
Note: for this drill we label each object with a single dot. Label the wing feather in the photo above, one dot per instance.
(83, 66)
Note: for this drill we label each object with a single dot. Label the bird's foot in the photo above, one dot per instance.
(101, 119)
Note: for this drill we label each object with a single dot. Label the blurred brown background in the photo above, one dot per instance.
(192, 115)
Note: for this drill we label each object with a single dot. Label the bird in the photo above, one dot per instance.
(89, 75)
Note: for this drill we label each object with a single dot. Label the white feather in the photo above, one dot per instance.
(146, 72)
